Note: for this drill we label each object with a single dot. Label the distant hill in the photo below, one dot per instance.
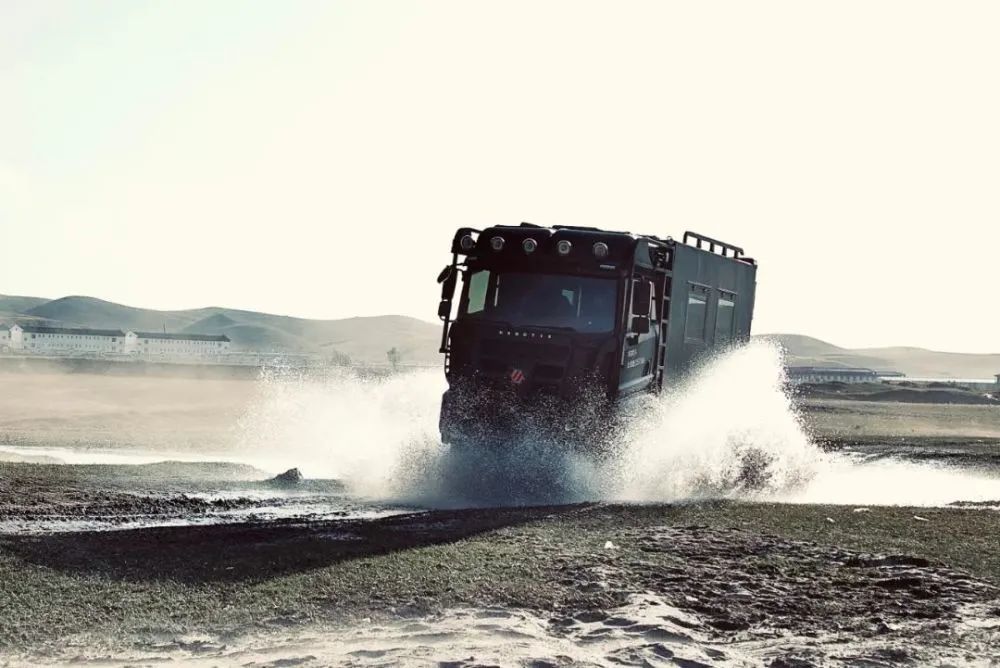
(916, 362)
(368, 339)
(11, 305)
(91, 312)
(361, 339)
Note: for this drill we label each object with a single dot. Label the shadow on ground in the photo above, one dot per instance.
(256, 551)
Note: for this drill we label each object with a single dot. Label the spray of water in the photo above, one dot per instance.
(729, 431)
(362, 430)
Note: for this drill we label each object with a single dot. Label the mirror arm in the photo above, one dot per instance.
(447, 294)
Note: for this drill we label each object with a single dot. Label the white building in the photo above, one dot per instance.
(799, 375)
(68, 341)
(153, 344)
(64, 340)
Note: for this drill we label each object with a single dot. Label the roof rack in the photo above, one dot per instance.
(577, 227)
(712, 243)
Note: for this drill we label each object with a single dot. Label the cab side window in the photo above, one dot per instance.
(479, 282)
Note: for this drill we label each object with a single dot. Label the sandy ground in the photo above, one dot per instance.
(211, 564)
(868, 421)
(118, 411)
(204, 414)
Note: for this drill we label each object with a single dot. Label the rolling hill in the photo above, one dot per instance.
(11, 306)
(362, 339)
(368, 339)
(916, 362)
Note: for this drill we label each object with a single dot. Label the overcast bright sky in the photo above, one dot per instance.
(314, 158)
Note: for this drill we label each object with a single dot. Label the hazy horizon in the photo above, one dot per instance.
(313, 159)
(437, 322)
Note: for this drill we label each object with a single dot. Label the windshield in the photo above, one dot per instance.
(581, 303)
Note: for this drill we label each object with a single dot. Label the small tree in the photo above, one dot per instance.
(339, 359)
(394, 357)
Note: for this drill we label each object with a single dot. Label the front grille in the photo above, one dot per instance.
(548, 372)
(494, 366)
(522, 351)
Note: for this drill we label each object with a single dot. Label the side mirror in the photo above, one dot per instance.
(640, 325)
(448, 286)
(641, 295)
(444, 309)
(448, 278)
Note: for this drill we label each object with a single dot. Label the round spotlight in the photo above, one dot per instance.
(529, 245)
(467, 243)
(600, 250)
(496, 243)
(564, 247)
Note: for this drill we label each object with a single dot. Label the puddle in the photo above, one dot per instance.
(290, 512)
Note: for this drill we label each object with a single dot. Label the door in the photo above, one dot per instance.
(641, 338)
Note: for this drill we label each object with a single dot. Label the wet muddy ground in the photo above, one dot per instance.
(119, 564)
(44, 498)
(140, 563)
(974, 454)
(720, 583)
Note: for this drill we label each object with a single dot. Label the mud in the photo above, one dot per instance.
(655, 593)
(45, 498)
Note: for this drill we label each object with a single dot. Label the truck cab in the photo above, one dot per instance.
(555, 326)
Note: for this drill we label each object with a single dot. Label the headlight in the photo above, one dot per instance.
(564, 247)
(600, 250)
(529, 245)
(496, 243)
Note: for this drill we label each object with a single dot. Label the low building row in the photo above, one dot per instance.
(69, 340)
(798, 375)
(801, 375)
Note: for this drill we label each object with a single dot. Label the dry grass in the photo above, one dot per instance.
(827, 418)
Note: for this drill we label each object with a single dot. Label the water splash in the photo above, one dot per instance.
(729, 431)
(339, 425)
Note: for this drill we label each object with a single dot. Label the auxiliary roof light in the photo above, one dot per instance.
(564, 247)
(496, 243)
(529, 246)
(467, 243)
(600, 250)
